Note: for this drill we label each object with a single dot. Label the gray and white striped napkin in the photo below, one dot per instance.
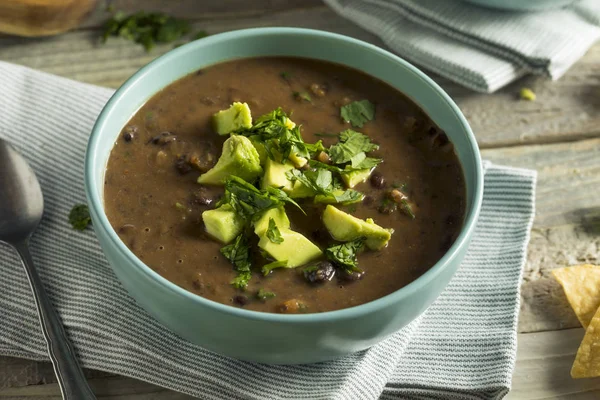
(480, 48)
(462, 347)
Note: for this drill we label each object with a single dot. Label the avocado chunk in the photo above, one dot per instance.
(279, 216)
(300, 190)
(345, 227)
(260, 148)
(353, 178)
(239, 158)
(296, 249)
(275, 175)
(235, 117)
(323, 199)
(223, 223)
(298, 161)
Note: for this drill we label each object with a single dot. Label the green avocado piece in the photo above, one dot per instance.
(260, 148)
(321, 198)
(235, 117)
(345, 227)
(279, 216)
(275, 175)
(295, 248)
(298, 161)
(239, 158)
(300, 190)
(353, 178)
(223, 223)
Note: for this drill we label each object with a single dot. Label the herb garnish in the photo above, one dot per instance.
(286, 75)
(148, 29)
(271, 266)
(351, 144)
(407, 208)
(264, 295)
(303, 96)
(321, 182)
(358, 112)
(273, 232)
(345, 254)
(79, 217)
(249, 202)
(238, 253)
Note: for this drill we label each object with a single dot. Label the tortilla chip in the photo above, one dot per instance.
(587, 361)
(581, 284)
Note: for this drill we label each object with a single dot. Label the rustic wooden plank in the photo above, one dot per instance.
(199, 10)
(114, 388)
(565, 110)
(543, 368)
(567, 224)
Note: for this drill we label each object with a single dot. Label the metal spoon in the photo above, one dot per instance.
(21, 209)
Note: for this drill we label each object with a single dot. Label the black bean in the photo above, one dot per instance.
(368, 200)
(128, 136)
(319, 272)
(440, 140)
(163, 138)
(129, 132)
(240, 299)
(351, 276)
(377, 180)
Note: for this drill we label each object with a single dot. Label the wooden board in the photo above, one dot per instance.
(559, 135)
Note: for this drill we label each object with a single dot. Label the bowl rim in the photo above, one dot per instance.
(101, 220)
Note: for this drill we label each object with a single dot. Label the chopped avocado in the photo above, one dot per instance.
(239, 158)
(235, 117)
(275, 175)
(260, 148)
(290, 124)
(354, 177)
(298, 162)
(321, 198)
(345, 227)
(295, 248)
(223, 223)
(279, 216)
(300, 190)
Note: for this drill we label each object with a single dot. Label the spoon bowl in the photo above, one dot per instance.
(22, 202)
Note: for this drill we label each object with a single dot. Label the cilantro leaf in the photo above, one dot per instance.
(351, 144)
(273, 232)
(358, 112)
(145, 28)
(267, 268)
(348, 196)
(345, 255)
(79, 217)
(303, 96)
(264, 295)
(238, 253)
(249, 202)
(361, 161)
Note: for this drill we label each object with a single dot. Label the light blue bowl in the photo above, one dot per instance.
(257, 336)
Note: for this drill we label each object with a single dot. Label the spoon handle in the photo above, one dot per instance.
(72, 382)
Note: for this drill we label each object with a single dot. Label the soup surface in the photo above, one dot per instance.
(154, 202)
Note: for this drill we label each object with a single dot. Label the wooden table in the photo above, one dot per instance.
(558, 135)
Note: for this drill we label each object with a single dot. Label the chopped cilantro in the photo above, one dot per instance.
(79, 217)
(406, 207)
(199, 35)
(351, 144)
(303, 96)
(266, 269)
(238, 253)
(286, 75)
(248, 201)
(361, 161)
(264, 295)
(358, 112)
(273, 232)
(345, 255)
(146, 28)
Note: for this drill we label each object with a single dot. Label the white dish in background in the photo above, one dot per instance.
(522, 5)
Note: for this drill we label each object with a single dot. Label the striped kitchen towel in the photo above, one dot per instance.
(462, 347)
(480, 48)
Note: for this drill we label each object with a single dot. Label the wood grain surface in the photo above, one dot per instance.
(558, 135)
